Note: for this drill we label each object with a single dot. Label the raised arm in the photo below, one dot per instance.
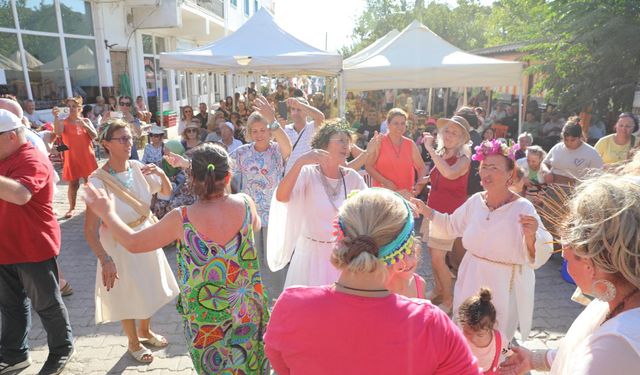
(58, 125)
(285, 188)
(284, 143)
(93, 134)
(451, 172)
(313, 112)
(160, 234)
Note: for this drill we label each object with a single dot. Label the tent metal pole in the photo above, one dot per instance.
(160, 107)
(209, 91)
(519, 108)
(341, 95)
(430, 101)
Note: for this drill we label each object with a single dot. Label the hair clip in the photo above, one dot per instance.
(211, 167)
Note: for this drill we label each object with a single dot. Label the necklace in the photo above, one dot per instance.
(491, 209)
(128, 182)
(360, 290)
(333, 191)
(618, 309)
(398, 150)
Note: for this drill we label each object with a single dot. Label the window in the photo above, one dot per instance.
(37, 15)
(6, 14)
(246, 8)
(76, 17)
(147, 44)
(83, 71)
(10, 62)
(152, 46)
(46, 72)
(234, 3)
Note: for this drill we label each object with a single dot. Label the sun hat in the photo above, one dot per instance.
(8, 121)
(155, 129)
(190, 125)
(457, 120)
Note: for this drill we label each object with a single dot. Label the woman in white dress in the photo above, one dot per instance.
(305, 205)
(602, 249)
(504, 238)
(129, 286)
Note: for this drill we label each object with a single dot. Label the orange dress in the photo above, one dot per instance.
(80, 159)
(396, 164)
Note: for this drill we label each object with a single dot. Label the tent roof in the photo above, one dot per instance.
(371, 49)
(419, 58)
(261, 46)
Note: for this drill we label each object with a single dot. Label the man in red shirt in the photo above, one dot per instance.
(29, 243)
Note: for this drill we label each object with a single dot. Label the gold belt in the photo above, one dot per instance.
(142, 219)
(320, 241)
(512, 265)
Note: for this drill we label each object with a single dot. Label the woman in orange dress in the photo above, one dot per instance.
(80, 160)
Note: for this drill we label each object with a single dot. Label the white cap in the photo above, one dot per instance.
(230, 126)
(8, 121)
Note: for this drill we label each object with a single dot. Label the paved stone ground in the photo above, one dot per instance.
(102, 349)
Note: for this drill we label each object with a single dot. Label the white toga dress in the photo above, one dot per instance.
(305, 224)
(497, 258)
(145, 281)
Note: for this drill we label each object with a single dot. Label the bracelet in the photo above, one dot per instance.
(539, 360)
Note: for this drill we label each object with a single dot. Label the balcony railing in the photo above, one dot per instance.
(214, 6)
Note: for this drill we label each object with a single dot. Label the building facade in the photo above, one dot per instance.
(52, 49)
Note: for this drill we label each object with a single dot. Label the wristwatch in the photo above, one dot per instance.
(274, 125)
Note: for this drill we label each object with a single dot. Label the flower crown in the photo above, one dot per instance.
(495, 147)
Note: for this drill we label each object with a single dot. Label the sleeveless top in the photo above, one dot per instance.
(80, 159)
(420, 293)
(396, 163)
(222, 300)
(447, 195)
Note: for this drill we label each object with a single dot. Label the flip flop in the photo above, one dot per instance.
(156, 341)
(67, 290)
(140, 355)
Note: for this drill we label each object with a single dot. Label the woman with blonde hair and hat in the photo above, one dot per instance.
(504, 238)
(79, 160)
(602, 249)
(356, 325)
(394, 162)
(449, 179)
(191, 136)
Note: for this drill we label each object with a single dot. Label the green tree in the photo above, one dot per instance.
(462, 26)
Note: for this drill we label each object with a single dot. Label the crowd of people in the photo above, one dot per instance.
(266, 193)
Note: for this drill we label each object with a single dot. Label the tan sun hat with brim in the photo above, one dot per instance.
(457, 120)
(190, 125)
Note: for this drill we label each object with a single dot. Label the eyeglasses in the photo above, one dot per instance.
(123, 140)
(125, 104)
(191, 130)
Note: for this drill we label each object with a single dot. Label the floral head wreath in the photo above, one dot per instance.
(495, 147)
(395, 250)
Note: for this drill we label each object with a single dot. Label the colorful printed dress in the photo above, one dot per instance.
(222, 302)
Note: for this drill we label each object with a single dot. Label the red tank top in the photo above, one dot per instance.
(447, 195)
(396, 163)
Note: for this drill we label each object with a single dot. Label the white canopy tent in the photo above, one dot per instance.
(371, 49)
(419, 58)
(259, 46)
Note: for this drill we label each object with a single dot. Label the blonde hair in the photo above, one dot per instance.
(366, 230)
(253, 118)
(603, 224)
(461, 149)
(393, 112)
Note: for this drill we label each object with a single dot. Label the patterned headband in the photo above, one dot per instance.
(395, 250)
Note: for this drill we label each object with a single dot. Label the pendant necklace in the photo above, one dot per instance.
(492, 209)
(398, 150)
(333, 191)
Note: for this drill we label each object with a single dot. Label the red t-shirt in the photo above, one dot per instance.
(316, 330)
(30, 233)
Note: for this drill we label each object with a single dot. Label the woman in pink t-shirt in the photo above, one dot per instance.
(356, 326)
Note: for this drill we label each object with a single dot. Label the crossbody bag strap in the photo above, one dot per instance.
(298, 140)
(127, 197)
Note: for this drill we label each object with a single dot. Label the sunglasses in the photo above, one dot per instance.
(155, 135)
(125, 104)
(192, 130)
(123, 140)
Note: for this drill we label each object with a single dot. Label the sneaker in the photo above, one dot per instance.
(6, 368)
(54, 364)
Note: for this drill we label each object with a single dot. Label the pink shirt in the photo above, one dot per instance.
(316, 330)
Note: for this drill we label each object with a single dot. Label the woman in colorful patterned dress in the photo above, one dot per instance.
(222, 302)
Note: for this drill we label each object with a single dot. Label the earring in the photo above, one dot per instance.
(609, 292)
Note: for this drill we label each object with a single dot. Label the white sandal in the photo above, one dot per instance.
(140, 354)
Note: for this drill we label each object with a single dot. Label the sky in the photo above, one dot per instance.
(313, 21)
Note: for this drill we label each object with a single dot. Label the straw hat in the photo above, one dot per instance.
(457, 120)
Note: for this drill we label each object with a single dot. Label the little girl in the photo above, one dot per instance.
(402, 278)
(477, 317)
